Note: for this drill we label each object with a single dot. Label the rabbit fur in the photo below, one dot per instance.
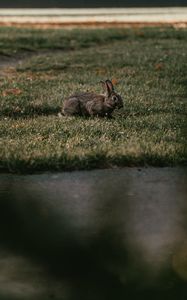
(91, 104)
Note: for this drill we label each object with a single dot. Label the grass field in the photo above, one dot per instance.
(40, 68)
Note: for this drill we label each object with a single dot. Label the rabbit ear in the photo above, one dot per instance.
(104, 85)
(107, 86)
(110, 87)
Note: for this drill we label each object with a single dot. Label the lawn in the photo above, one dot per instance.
(39, 68)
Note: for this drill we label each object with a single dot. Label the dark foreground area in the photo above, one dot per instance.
(108, 234)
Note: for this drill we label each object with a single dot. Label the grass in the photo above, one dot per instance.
(150, 68)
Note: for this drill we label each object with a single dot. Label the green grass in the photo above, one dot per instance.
(150, 67)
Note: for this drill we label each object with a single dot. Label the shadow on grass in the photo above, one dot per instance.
(30, 111)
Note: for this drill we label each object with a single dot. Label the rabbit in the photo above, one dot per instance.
(91, 104)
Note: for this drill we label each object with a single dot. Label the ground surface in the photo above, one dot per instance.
(40, 68)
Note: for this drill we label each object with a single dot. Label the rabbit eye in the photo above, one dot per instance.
(114, 98)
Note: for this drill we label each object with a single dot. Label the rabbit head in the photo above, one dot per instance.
(112, 99)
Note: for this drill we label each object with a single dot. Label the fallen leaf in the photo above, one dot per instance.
(114, 81)
(14, 91)
(159, 66)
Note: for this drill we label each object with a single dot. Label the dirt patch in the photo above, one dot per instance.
(7, 63)
(70, 25)
(10, 62)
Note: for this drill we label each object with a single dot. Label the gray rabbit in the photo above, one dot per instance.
(91, 104)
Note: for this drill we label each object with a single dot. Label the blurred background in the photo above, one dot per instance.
(89, 3)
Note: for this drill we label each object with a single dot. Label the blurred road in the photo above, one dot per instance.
(98, 16)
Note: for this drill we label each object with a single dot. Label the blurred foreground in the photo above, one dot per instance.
(110, 234)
